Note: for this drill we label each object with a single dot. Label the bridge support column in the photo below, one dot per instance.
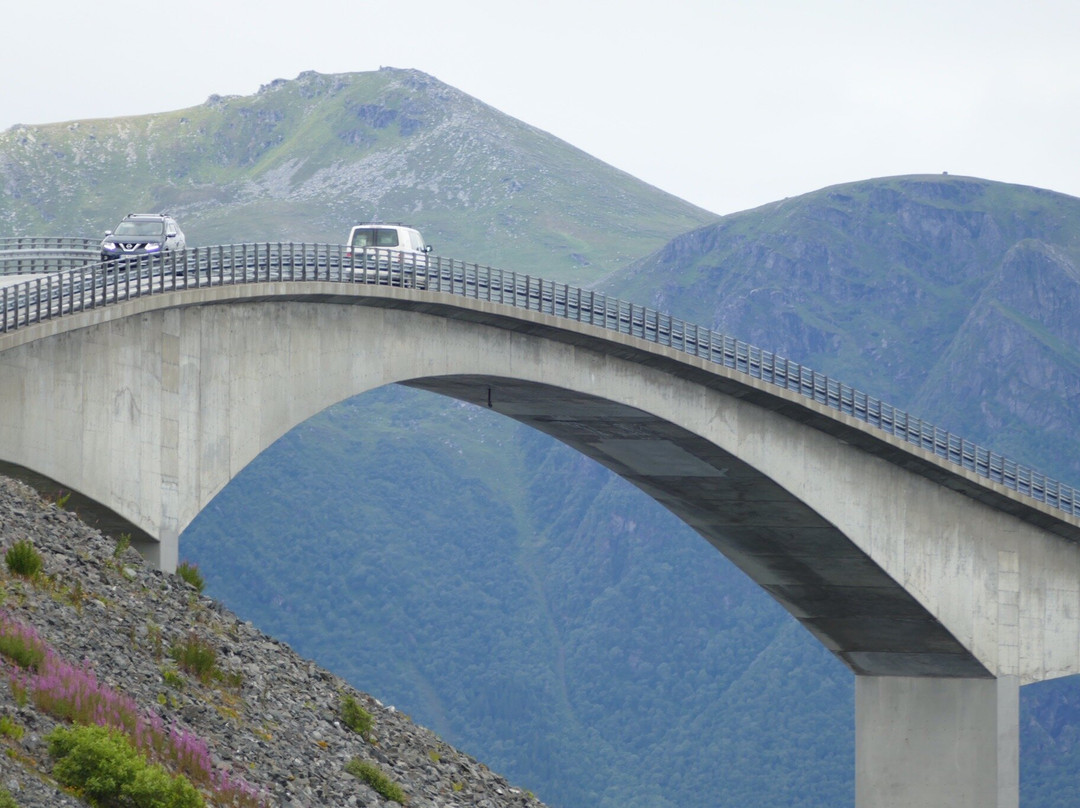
(937, 743)
(163, 555)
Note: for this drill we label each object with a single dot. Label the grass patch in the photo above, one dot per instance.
(122, 544)
(23, 559)
(379, 780)
(172, 678)
(356, 717)
(196, 656)
(190, 573)
(9, 728)
(76, 596)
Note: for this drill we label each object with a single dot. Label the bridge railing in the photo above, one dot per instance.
(50, 243)
(32, 254)
(55, 294)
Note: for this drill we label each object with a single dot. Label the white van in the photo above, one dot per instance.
(373, 237)
(389, 253)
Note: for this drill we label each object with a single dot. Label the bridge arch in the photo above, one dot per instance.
(151, 406)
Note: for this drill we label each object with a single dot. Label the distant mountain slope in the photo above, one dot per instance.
(302, 160)
(950, 296)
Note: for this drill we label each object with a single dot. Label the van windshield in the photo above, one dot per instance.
(374, 237)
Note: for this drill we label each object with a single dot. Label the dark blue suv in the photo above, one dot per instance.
(142, 234)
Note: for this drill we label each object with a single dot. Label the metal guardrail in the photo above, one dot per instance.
(50, 243)
(29, 262)
(31, 254)
(61, 293)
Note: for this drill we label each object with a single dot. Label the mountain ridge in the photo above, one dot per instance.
(897, 270)
(301, 160)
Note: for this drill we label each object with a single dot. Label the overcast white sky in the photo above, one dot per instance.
(726, 103)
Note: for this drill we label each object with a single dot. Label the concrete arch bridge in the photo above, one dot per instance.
(941, 573)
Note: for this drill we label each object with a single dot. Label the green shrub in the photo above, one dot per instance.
(9, 728)
(21, 645)
(6, 800)
(22, 559)
(190, 573)
(122, 544)
(356, 717)
(377, 779)
(104, 766)
(196, 656)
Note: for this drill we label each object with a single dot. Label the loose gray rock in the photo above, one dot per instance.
(274, 720)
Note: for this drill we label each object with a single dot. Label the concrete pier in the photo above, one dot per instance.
(925, 742)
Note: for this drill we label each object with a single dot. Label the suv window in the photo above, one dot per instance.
(131, 227)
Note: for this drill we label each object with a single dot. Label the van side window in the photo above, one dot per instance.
(386, 238)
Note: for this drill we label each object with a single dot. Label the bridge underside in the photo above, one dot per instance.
(819, 575)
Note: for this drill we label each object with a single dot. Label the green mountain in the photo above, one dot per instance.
(303, 160)
(533, 609)
(952, 297)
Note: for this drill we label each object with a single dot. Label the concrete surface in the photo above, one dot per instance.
(936, 743)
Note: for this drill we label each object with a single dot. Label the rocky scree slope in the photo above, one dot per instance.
(280, 729)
